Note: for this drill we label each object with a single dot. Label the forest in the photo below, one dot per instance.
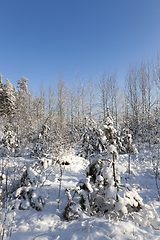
(85, 157)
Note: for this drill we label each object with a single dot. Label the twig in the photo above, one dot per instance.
(39, 235)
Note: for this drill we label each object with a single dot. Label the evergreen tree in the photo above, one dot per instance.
(9, 94)
(109, 131)
(92, 139)
(22, 84)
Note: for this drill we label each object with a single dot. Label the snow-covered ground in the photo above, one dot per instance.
(49, 223)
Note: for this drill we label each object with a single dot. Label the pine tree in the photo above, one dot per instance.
(22, 84)
(111, 136)
(101, 192)
(9, 94)
(109, 130)
(92, 142)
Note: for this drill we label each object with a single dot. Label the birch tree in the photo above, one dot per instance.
(102, 84)
(60, 102)
(132, 97)
(91, 97)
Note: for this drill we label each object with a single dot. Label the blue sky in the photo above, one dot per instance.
(41, 39)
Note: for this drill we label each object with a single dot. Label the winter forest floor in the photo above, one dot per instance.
(50, 224)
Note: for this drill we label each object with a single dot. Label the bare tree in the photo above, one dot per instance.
(72, 108)
(90, 88)
(132, 95)
(50, 107)
(78, 98)
(60, 102)
(113, 93)
(157, 71)
(102, 84)
(80, 102)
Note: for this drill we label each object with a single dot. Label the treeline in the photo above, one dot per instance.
(65, 112)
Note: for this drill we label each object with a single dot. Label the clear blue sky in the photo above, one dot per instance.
(41, 39)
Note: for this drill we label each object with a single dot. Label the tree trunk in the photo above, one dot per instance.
(114, 172)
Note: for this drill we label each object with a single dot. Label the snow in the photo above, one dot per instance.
(86, 182)
(49, 223)
(103, 140)
(120, 205)
(112, 149)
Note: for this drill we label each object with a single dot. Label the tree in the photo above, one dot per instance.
(91, 98)
(91, 139)
(157, 72)
(72, 108)
(50, 106)
(157, 107)
(22, 111)
(79, 102)
(83, 112)
(9, 94)
(103, 94)
(132, 95)
(60, 102)
(101, 193)
(22, 84)
(146, 88)
(113, 92)
(1, 95)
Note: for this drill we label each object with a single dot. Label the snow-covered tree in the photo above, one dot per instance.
(96, 137)
(132, 94)
(98, 195)
(9, 94)
(101, 192)
(22, 84)
(41, 145)
(10, 142)
(109, 131)
(1, 84)
(60, 102)
(28, 191)
(23, 118)
(127, 142)
(73, 210)
(91, 139)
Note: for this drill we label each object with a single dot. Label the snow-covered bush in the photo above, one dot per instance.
(3, 151)
(29, 197)
(119, 199)
(30, 177)
(128, 146)
(127, 143)
(95, 167)
(109, 131)
(101, 193)
(11, 143)
(41, 143)
(38, 151)
(28, 193)
(92, 139)
(110, 197)
(73, 209)
(96, 138)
